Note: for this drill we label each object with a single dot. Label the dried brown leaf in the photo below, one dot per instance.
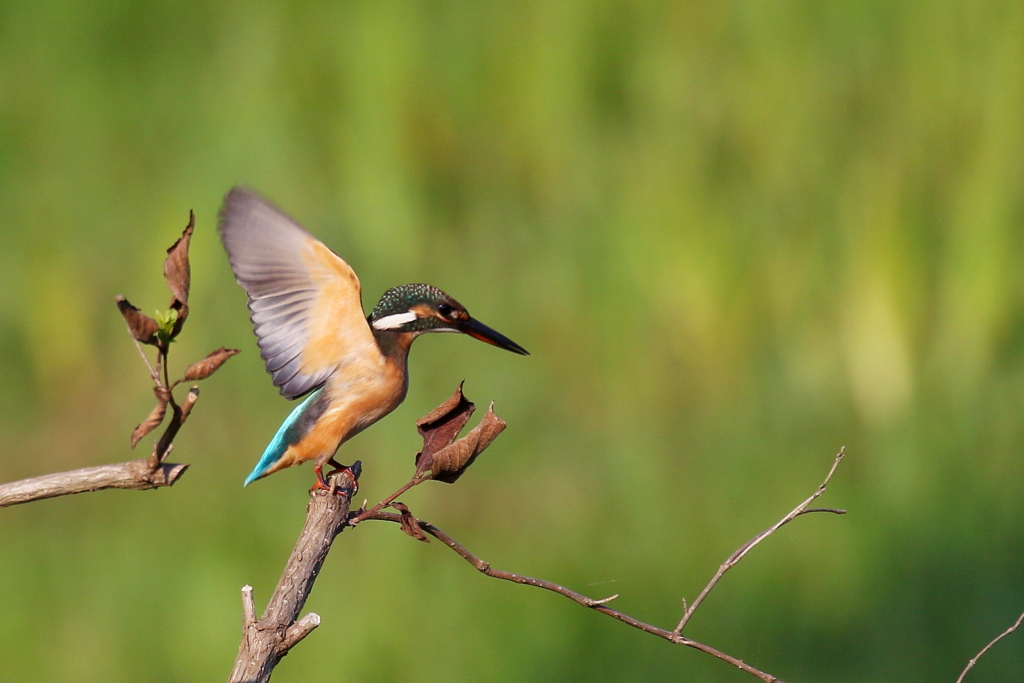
(409, 523)
(178, 273)
(441, 426)
(209, 365)
(451, 462)
(141, 326)
(156, 416)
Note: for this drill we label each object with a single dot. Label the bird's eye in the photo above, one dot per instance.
(444, 309)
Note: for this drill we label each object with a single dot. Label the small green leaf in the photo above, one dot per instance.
(165, 322)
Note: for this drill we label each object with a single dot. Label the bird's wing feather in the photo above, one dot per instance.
(304, 299)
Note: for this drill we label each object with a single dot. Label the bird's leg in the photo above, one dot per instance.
(321, 480)
(318, 470)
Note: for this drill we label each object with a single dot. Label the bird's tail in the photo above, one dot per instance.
(285, 437)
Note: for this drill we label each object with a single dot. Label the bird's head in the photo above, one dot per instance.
(411, 310)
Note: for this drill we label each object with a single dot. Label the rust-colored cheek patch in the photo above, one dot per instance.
(423, 311)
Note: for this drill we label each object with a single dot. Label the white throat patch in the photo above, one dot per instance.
(390, 322)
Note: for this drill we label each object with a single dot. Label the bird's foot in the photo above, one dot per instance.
(352, 471)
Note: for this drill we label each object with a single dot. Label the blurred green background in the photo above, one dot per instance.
(735, 236)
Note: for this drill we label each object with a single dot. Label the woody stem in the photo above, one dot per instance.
(418, 479)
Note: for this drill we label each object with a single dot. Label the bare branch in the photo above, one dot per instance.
(267, 640)
(135, 474)
(597, 605)
(974, 660)
(674, 636)
(147, 473)
(749, 545)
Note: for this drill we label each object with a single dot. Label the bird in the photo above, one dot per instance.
(316, 340)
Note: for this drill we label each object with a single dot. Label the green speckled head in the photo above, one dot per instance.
(410, 310)
(417, 308)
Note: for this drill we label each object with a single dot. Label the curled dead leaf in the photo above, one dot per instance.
(410, 524)
(441, 426)
(141, 326)
(178, 273)
(209, 365)
(155, 418)
(451, 462)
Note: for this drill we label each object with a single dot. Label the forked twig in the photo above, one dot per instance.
(598, 605)
(360, 515)
(749, 545)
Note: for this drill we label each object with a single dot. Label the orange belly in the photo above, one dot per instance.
(365, 394)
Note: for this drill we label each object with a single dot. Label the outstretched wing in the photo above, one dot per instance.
(305, 303)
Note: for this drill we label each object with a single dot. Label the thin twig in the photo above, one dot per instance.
(159, 370)
(974, 660)
(834, 511)
(248, 607)
(167, 373)
(179, 413)
(749, 545)
(299, 630)
(153, 374)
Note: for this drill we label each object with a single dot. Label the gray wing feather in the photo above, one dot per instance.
(263, 245)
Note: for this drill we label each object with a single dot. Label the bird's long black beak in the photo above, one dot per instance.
(477, 330)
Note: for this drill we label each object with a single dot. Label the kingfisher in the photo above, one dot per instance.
(316, 340)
